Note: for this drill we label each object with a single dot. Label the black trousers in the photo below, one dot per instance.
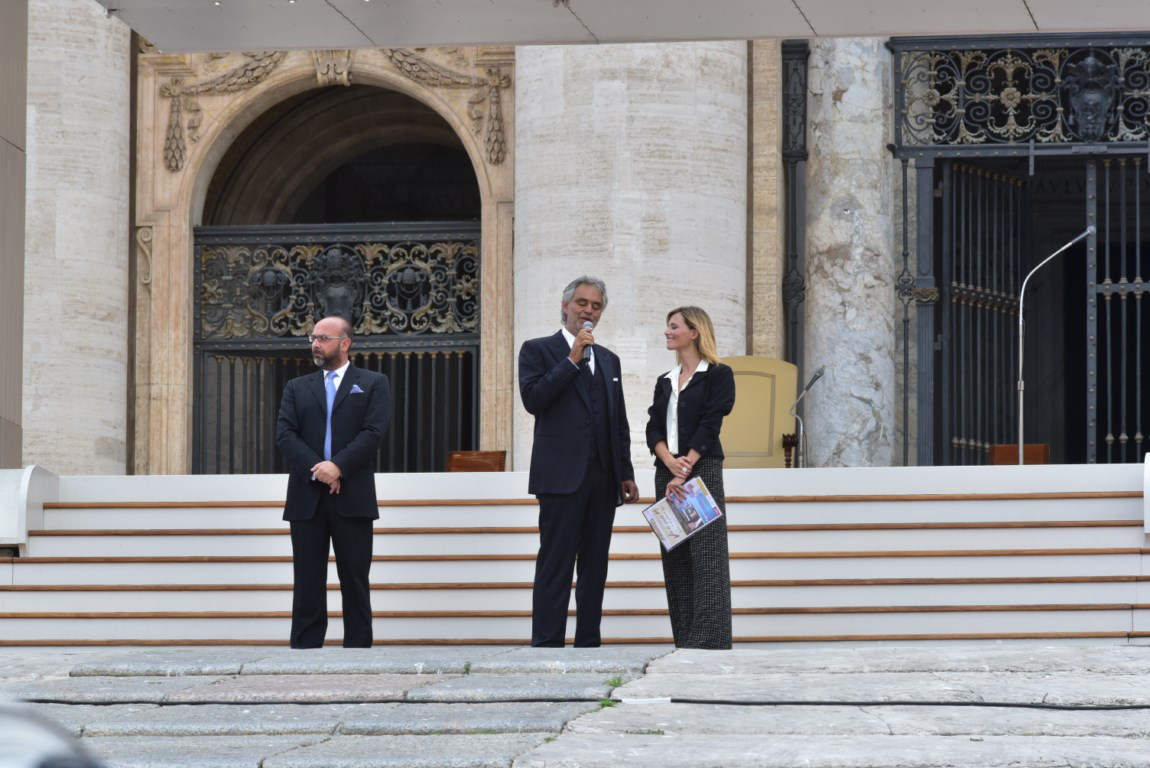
(697, 572)
(574, 538)
(350, 538)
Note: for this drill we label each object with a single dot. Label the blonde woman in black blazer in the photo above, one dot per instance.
(683, 432)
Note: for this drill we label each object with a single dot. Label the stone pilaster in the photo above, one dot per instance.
(766, 227)
(76, 262)
(631, 165)
(850, 298)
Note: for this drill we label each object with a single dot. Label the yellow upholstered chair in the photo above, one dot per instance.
(765, 389)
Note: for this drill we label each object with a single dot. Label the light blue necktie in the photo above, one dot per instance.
(330, 377)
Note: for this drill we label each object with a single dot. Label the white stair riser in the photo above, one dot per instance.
(144, 518)
(917, 511)
(192, 545)
(30, 572)
(615, 598)
(621, 542)
(754, 513)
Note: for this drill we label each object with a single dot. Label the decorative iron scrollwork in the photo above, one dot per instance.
(407, 287)
(795, 55)
(794, 289)
(1037, 92)
(925, 295)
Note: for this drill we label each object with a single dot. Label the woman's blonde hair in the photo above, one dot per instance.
(698, 320)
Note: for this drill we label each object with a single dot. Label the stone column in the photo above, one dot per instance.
(13, 162)
(850, 296)
(76, 262)
(631, 165)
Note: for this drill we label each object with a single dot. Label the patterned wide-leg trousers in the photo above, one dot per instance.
(697, 572)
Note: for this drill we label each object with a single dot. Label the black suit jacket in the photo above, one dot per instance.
(708, 397)
(360, 415)
(562, 411)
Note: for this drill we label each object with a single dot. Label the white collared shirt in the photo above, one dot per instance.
(571, 344)
(339, 372)
(673, 405)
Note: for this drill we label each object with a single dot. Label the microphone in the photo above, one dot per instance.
(1087, 233)
(800, 453)
(818, 375)
(587, 325)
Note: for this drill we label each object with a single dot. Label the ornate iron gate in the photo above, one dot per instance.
(966, 109)
(982, 225)
(412, 294)
(1115, 286)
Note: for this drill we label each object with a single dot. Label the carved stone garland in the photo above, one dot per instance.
(484, 106)
(254, 69)
(426, 72)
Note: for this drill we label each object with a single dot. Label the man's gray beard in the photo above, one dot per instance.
(319, 360)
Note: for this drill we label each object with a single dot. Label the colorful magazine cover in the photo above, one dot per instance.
(676, 520)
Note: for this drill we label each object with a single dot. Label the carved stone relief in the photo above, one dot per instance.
(251, 69)
(483, 106)
(244, 70)
(144, 241)
(333, 67)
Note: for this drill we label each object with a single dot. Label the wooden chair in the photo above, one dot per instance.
(1007, 453)
(753, 432)
(476, 461)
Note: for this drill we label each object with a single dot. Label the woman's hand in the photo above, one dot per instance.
(675, 488)
(679, 466)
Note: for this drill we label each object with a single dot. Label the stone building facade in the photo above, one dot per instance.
(658, 167)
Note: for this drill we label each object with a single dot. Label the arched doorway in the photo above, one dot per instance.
(357, 201)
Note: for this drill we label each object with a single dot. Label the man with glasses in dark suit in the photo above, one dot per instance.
(330, 425)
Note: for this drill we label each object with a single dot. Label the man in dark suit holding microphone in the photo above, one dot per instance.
(330, 426)
(580, 464)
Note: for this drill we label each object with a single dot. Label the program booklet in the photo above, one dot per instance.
(674, 520)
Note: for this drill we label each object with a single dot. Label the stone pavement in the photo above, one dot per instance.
(937, 706)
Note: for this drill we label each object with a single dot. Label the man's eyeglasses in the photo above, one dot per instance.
(324, 339)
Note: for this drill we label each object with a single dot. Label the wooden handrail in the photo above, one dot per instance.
(530, 529)
(521, 502)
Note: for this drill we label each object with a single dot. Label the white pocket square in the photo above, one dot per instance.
(615, 378)
(355, 390)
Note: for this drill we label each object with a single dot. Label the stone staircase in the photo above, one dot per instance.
(816, 555)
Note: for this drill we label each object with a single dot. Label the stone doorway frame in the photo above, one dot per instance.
(192, 107)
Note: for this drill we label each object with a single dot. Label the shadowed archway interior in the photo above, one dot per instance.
(344, 154)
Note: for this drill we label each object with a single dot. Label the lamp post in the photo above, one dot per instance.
(1021, 332)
